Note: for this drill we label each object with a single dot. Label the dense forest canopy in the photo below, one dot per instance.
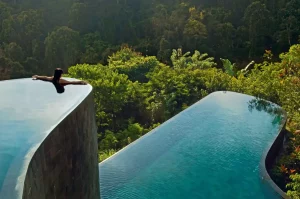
(148, 59)
(39, 35)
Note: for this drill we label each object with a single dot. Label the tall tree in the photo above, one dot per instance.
(5, 12)
(23, 29)
(62, 48)
(14, 52)
(79, 17)
(195, 31)
(290, 24)
(259, 22)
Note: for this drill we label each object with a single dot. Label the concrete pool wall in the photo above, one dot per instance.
(270, 156)
(65, 164)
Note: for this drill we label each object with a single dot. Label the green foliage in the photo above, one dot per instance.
(291, 61)
(106, 154)
(238, 30)
(229, 68)
(93, 48)
(174, 88)
(289, 24)
(164, 50)
(108, 142)
(14, 52)
(125, 54)
(77, 15)
(133, 132)
(23, 28)
(132, 64)
(294, 193)
(5, 12)
(197, 60)
(115, 96)
(62, 48)
(259, 22)
(194, 28)
(10, 69)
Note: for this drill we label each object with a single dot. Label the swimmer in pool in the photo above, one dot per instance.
(57, 81)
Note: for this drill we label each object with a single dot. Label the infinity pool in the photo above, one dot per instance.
(29, 110)
(212, 150)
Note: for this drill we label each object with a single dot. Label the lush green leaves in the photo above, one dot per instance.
(259, 22)
(295, 187)
(132, 64)
(238, 30)
(230, 68)
(93, 48)
(197, 60)
(62, 48)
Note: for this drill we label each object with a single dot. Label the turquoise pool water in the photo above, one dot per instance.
(212, 150)
(29, 110)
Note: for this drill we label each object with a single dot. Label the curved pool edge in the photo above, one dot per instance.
(270, 155)
(15, 188)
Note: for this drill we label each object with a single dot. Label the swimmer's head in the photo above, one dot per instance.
(57, 73)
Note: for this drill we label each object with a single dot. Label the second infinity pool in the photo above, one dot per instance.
(212, 150)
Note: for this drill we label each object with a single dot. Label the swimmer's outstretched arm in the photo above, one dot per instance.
(43, 78)
(66, 82)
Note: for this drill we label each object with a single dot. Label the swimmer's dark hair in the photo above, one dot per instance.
(57, 73)
(59, 88)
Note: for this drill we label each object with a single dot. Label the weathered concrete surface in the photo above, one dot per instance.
(65, 166)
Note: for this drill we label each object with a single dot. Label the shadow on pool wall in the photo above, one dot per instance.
(270, 156)
(66, 163)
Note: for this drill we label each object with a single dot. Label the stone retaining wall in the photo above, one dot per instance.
(65, 166)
